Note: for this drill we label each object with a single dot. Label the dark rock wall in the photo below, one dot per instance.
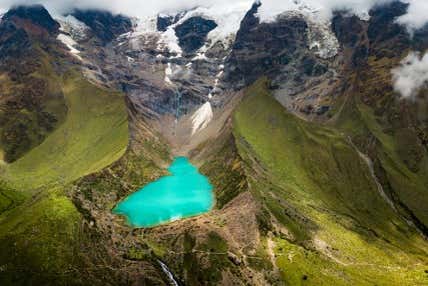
(103, 24)
(193, 32)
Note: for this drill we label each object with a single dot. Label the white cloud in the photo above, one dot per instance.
(416, 17)
(324, 8)
(136, 8)
(411, 75)
(417, 14)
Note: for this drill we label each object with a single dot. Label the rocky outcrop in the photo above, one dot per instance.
(164, 21)
(281, 50)
(32, 18)
(104, 25)
(14, 42)
(193, 32)
(383, 31)
(263, 49)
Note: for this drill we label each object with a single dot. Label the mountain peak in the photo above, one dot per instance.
(104, 24)
(37, 15)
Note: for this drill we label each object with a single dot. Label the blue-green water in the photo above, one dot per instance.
(184, 193)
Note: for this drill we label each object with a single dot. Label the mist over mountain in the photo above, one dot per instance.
(411, 75)
(415, 18)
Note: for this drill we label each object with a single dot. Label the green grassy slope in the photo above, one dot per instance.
(315, 184)
(32, 104)
(94, 135)
(392, 131)
(40, 237)
(391, 150)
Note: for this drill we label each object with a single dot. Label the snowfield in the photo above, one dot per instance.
(202, 117)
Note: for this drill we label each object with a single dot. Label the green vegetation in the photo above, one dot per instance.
(392, 132)
(307, 267)
(122, 178)
(226, 173)
(40, 228)
(39, 241)
(32, 105)
(213, 250)
(9, 198)
(94, 134)
(401, 163)
(260, 260)
(312, 180)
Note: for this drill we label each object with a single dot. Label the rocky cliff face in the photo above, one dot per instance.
(302, 77)
(168, 65)
(193, 60)
(32, 18)
(102, 24)
(264, 48)
(192, 33)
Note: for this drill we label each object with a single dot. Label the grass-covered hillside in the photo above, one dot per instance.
(32, 104)
(340, 230)
(41, 235)
(94, 134)
(392, 131)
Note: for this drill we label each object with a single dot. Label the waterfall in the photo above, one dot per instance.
(178, 104)
(380, 189)
(369, 164)
(168, 273)
(170, 70)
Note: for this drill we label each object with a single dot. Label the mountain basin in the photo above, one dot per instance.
(182, 194)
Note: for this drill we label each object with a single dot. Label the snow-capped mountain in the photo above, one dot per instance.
(192, 54)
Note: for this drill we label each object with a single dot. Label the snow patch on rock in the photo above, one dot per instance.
(168, 73)
(271, 9)
(320, 35)
(71, 31)
(70, 25)
(227, 17)
(169, 40)
(322, 39)
(202, 117)
(199, 57)
(71, 44)
(172, 71)
(218, 76)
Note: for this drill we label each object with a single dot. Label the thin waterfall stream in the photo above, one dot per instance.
(178, 105)
(168, 273)
(380, 189)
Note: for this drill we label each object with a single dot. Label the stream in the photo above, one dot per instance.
(168, 273)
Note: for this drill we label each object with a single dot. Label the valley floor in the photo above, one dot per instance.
(296, 204)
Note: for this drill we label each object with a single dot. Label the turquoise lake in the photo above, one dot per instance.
(182, 194)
